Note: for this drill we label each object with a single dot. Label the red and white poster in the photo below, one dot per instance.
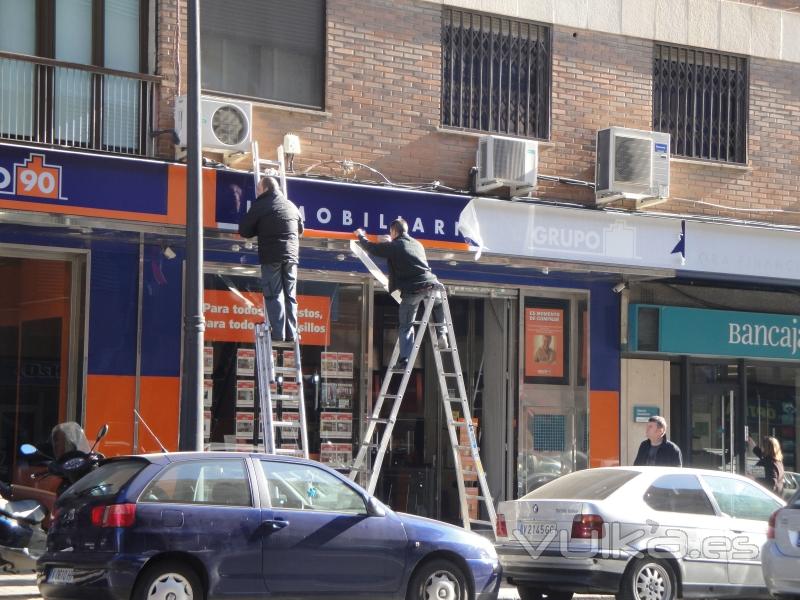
(336, 425)
(545, 342)
(336, 455)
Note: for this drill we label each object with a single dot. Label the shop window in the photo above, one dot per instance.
(701, 99)
(330, 322)
(495, 74)
(264, 49)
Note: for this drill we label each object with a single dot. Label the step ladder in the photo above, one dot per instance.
(466, 456)
(272, 168)
(292, 403)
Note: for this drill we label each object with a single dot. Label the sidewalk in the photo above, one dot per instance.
(23, 587)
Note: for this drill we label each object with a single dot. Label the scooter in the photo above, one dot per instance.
(24, 521)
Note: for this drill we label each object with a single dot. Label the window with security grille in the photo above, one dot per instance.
(700, 98)
(495, 74)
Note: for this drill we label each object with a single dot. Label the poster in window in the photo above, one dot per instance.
(290, 433)
(244, 424)
(336, 455)
(208, 360)
(245, 393)
(583, 343)
(329, 364)
(288, 359)
(290, 388)
(208, 392)
(245, 362)
(336, 425)
(546, 341)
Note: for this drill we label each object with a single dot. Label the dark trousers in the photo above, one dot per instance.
(408, 310)
(279, 282)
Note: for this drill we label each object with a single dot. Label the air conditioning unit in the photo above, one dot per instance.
(504, 161)
(225, 125)
(631, 164)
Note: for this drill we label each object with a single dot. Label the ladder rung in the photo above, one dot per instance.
(481, 522)
(393, 396)
(276, 344)
(285, 396)
(453, 399)
(449, 374)
(467, 448)
(380, 420)
(287, 451)
(459, 423)
(286, 424)
(285, 370)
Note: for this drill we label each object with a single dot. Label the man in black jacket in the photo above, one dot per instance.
(657, 450)
(278, 225)
(408, 272)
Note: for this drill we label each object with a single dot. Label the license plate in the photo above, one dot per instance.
(60, 576)
(536, 529)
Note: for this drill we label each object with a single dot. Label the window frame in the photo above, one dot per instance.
(700, 488)
(659, 50)
(195, 461)
(547, 111)
(272, 102)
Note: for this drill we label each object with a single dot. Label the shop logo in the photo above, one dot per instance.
(749, 334)
(616, 240)
(33, 178)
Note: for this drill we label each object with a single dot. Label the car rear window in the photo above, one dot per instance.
(591, 484)
(107, 480)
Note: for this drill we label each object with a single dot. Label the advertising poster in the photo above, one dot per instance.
(208, 360)
(337, 365)
(288, 359)
(290, 388)
(336, 455)
(337, 395)
(329, 364)
(244, 424)
(245, 362)
(207, 424)
(208, 393)
(290, 433)
(245, 393)
(336, 425)
(546, 341)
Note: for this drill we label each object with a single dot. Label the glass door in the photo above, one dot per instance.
(714, 391)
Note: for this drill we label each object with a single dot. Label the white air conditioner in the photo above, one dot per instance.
(504, 161)
(225, 125)
(631, 164)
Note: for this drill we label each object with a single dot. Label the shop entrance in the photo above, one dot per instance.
(418, 474)
(40, 361)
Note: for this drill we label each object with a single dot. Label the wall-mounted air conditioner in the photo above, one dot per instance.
(225, 125)
(504, 161)
(631, 164)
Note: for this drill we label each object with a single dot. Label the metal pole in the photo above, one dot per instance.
(191, 423)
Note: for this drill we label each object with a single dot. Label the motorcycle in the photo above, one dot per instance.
(25, 511)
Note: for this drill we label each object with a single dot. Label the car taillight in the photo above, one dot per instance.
(771, 525)
(587, 527)
(114, 515)
(500, 527)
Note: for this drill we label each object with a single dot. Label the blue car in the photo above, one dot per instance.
(235, 525)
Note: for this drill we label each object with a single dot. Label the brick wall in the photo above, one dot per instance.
(383, 109)
(170, 39)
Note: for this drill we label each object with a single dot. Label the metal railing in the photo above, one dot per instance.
(54, 102)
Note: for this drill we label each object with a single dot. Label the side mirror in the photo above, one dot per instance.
(28, 449)
(375, 508)
(102, 433)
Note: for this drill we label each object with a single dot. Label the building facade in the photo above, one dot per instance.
(388, 100)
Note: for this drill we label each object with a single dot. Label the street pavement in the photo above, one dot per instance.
(23, 587)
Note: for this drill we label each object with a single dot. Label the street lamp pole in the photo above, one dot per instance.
(191, 416)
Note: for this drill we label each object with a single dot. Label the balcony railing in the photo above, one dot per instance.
(53, 102)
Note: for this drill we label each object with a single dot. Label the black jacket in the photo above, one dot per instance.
(773, 472)
(408, 266)
(278, 225)
(667, 455)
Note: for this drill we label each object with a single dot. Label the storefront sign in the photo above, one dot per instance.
(642, 414)
(724, 333)
(232, 317)
(546, 349)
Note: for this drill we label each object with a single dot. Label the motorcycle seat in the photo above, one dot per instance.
(29, 511)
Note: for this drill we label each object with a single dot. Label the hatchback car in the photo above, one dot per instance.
(781, 552)
(642, 533)
(236, 525)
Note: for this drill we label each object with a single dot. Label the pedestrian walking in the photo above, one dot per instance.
(278, 224)
(657, 450)
(409, 273)
(771, 458)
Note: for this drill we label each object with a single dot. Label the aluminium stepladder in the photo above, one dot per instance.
(448, 375)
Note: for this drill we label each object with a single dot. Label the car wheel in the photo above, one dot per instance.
(169, 580)
(648, 579)
(438, 580)
(531, 593)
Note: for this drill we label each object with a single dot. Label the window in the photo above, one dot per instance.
(221, 482)
(107, 480)
(264, 49)
(495, 74)
(700, 99)
(303, 487)
(741, 499)
(592, 484)
(678, 493)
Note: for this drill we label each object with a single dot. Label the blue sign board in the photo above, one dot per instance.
(642, 414)
(724, 332)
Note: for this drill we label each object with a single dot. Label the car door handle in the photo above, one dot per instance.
(737, 531)
(275, 524)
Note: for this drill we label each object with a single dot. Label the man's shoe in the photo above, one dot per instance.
(443, 342)
(400, 365)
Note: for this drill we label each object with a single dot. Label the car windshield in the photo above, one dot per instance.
(591, 484)
(107, 480)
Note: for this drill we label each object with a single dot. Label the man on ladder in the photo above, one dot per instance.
(408, 272)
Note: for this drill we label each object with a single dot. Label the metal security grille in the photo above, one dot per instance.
(495, 74)
(549, 433)
(700, 98)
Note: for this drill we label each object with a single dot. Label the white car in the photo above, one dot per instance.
(642, 533)
(781, 552)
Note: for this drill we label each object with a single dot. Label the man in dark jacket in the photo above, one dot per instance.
(278, 225)
(657, 450)
(408, 272)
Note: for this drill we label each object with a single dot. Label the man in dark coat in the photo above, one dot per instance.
(278, 224)
(408, 272)
(657, 450)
